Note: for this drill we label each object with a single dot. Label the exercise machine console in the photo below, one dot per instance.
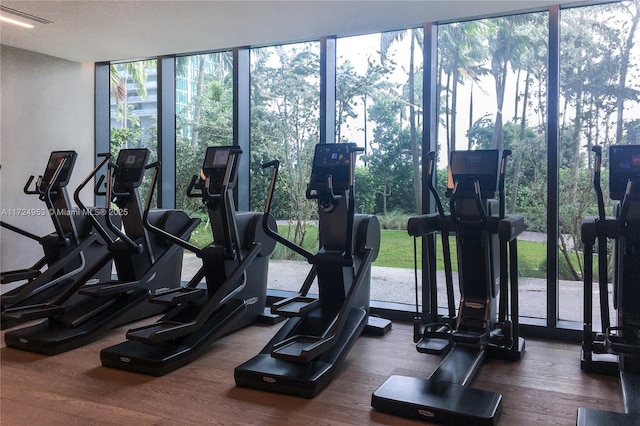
(615, 350)
(304, 355)
(234, 266)
(486, 240)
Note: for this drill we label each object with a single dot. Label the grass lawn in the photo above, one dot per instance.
(396, 249)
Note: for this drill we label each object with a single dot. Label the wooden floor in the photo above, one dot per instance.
(72, 388)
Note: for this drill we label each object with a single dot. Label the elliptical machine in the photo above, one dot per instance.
(616, 349)
(234, 266)
(486, 240)
(67, 252)
(304, 355)
(143, 263)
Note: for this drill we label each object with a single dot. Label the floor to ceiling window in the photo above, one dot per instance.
(379, 107)
(134, 110)
(285, 125)
(492, 82)
(599, 105)
(492, 86)
(204, 116)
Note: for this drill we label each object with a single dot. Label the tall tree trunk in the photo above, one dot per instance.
(447, 115)
(195, 135)
(125, 105)
(518, 153)
(415, 153)
(515, 98)
(624, 67)
(454, 98)
(501, 78)
(470, 117)
(575, 138)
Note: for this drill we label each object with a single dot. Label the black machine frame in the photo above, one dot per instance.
(234, 266)
(68, 251)
(304, 355)
(486, 322)
(615, 349)
(87, 307)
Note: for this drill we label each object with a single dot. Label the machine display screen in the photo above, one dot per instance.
(131, 164)
(334, 160)
(215, 164)
(624, 165)
(216, 158)
(466, 167)
(54, 161)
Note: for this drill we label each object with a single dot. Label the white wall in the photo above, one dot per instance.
(46, 104)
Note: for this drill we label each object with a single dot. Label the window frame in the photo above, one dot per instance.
(549, 327)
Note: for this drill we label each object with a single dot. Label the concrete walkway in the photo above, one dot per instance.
(397, 285)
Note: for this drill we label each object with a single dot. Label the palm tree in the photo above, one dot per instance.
(134, 71)
(461, 56)
(633, 9)
(221, 64)
(386, 39)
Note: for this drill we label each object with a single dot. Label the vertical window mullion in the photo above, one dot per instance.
(241, 121)
(553, 94)
(429, 143)
(101, 111)
(167, 131)
(328, 90)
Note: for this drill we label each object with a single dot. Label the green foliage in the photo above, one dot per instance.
(310, 242)
(285, 126)
(365, 194)
(125, 137)
(565, 269)
(202, 235)
(390, 157)
(395, 220)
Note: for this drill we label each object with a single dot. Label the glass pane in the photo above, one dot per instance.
(134, 111)
(285, 125)
(599, 106)
(204, 117)
(492, 81)
(379, 107)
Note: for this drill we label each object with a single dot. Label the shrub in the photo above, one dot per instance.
(394, 220)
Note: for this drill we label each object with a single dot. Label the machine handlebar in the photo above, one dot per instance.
(76, 196)
(503, 172)
(431, 170)
(597, 164)
(265, 222)
(145, 215)
(32, 191)
(135, 247)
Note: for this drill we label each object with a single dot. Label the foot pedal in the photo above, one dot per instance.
(297, 306)
(469, 333)
(501, 335)
(32, 312)
(108, 289)
(160, 332)
(300, 348)
(19, 275)
(175, 296)
(436, 339)
(377, 326)
(266, 317)
(623, 340)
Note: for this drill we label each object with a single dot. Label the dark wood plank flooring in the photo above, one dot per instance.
(545, 388)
